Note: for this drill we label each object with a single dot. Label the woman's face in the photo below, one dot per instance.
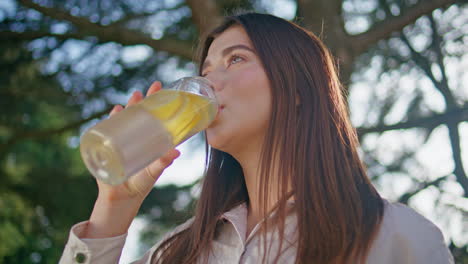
(243, 91)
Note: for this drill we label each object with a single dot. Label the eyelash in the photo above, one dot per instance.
(233, 56)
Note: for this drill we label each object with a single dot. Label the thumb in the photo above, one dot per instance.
(142, 183)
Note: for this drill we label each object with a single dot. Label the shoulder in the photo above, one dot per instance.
(405, 221)
(406, 236)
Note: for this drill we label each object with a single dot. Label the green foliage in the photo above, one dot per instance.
(44, 187)
(164, 208)
(15, 222)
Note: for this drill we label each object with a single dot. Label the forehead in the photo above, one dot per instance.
(231, 36)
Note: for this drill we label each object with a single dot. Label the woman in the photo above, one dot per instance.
(284, 181)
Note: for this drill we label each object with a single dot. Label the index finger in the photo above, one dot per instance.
(116, 109)
(156, 86)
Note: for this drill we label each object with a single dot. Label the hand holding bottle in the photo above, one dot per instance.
(117, 205)
(125, 144)
(139, 185)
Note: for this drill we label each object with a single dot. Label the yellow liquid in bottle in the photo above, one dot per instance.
(118, 147)
(183, 114)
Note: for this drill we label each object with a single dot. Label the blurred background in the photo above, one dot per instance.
(64, 64)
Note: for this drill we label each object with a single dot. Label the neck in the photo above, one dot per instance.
(249, 159)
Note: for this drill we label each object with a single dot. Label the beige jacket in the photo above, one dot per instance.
(405, 237)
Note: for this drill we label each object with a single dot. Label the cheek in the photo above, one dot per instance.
(252, 96)
(249, 80)
(248, 108)
(252, 88)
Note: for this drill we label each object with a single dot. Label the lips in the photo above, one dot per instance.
(220, 108)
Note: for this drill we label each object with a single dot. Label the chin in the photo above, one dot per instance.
(216, 140)
(213, 142)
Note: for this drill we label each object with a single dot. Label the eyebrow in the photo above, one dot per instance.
(226, 51)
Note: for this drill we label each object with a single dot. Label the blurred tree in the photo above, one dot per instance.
(415, 90)
(39, 171)
(64, 63)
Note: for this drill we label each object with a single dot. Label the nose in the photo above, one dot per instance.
(215, 80)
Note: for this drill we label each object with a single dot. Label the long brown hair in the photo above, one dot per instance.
(338, 210)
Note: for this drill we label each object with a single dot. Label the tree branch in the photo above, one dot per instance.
(456, 115)
(31, 35)
(421, 186)
(443, 86)
(48, 132)
(361, 42)
(312, 13)
(455, 143)
(205, 14)
(324, 18)
(131, 17)
(437, 48)
(425, 65)
(112, 33)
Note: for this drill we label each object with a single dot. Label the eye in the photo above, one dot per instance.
(235, 59)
